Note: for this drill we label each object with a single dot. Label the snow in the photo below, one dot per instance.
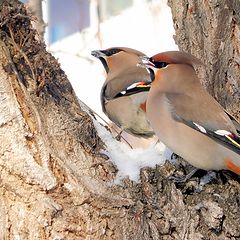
(127, 160)
(2, 120)
(206, 179)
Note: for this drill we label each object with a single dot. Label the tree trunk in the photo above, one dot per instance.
(56, 184)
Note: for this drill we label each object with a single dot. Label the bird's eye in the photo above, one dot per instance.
(112, 51)
(160, 64)
(151, 60)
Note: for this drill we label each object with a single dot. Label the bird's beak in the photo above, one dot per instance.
(145, 62)
(144, 58)
(148, 65)
(98, 53)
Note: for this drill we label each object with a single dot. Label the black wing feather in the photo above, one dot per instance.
(232, 142)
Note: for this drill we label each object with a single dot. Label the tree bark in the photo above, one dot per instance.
(56, 184)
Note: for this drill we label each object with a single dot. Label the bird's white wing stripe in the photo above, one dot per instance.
(201, 128)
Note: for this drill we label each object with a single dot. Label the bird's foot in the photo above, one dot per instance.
(183, 179)
(119, 136)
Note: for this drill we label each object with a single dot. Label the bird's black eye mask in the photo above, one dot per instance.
(104, 63)
(111, 51)
(152, 74)
(158, 64)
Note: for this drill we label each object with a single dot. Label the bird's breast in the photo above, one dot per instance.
(128, 114)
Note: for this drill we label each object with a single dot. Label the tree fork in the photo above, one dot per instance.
(54, 184)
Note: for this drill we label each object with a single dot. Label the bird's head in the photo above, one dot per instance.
(116, 56)
(122, 72)
(162, 61)
(174, 57)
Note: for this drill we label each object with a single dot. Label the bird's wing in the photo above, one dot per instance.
(205, 115)
(235, 122)
(114, 86)
(135, 88)
(116, 83)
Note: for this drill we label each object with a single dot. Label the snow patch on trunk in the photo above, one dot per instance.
(127, 160)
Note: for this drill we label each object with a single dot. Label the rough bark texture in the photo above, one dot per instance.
(210, 30)
(55, 184)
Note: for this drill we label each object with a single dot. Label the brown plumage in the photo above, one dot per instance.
(186, 118)
(125, 107)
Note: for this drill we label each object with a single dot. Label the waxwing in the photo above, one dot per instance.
(186, 118)
(124, 92)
